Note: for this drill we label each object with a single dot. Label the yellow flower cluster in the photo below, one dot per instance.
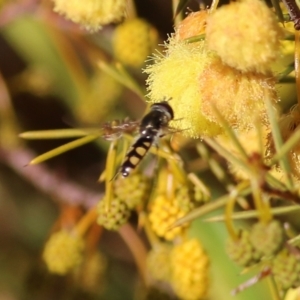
(238, 96)
(113, 217)
(190, 266)
(92, 14)
(133, 41)
(246, 35)
(63, 252)
(200, 85)
(134, 190)
(163, 214)
(176, 76)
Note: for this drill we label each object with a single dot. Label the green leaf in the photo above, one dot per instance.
(254, 213)
(278, 10)
(59, 133)
(211, 206)
(287, 147)
(64, 148)
(276, 134)
(195, 39)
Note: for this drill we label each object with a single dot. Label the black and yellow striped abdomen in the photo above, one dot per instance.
(136, 153)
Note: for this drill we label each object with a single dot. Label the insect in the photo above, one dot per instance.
(153, 126)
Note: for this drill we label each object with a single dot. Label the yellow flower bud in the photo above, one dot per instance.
(163, 214)
(63, 252)
(133, 41)
(190, 267)
(92, 14)
(245, 34)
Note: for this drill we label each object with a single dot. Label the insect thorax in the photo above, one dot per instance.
(156, 120)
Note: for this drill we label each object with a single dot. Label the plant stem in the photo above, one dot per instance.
(137, 249)
(297, 63)
(294, 12)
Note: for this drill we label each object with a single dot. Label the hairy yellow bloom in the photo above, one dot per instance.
(189, 265)
(245, 34)
(238, 96)
(92, 14)
(198, 84)
(113, 217)
(133, 41)
(63, 252)
(194, 24)
(134, 190)
(163, 214)
(176, 76)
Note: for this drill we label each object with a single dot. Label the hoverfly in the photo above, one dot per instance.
(153, 125)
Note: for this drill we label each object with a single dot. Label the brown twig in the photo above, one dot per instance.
(48, 181)
(261, 275)
(275, 193)
(294, 12)
(137, 248)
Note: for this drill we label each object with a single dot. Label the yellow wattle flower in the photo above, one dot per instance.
(163, 213)
(92, 14)
(190, 268)
(133, 41)
(238, 96)
(63, 252)
(246, 35)
(175, 76)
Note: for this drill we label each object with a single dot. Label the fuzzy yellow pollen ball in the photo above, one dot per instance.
(91, 14)
(133, 41)
(237, 96)
(63, 252)
(190, 270)
(176, 76)
(245, 34)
